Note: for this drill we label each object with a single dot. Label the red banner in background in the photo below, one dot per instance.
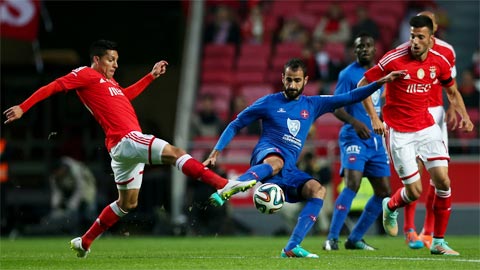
(464, 176)
(19, 19)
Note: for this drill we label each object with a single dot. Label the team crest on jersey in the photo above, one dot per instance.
(420, 73)
(304, 114)
(376, 97)
(293, 126)
(433, 72)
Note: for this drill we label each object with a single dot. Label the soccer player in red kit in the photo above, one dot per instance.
(441, 118)
(411, 131)
(128, 147)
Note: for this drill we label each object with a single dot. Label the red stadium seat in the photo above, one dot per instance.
(252, 63)
(318, 8)
(249, 77)
(284, 8)
(336, 51)
(218, 63)
(311, 89)
(224, 91)
(328, 119)
(288, 49)
(255, 50)
(217, 76)
(219, 50)
(255, 91)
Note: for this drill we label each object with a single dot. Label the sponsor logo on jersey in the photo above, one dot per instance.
(102, 80)
(418, 88)
(376, 97)
(353, 149)
(407, 77)
(281, 110)
(115, 91)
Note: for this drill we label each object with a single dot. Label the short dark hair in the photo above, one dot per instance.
(365, 35)
(422, 21)
(101, 46)
(294, 64)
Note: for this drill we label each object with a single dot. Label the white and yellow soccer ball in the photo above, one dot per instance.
(268, 198)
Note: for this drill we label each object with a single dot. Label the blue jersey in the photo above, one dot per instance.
(347, 81)
(368, 156)
(285, 126)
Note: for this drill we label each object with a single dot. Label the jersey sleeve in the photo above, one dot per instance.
(445, 77)
(344, 84)
(78, 78)
(374, 73)
(244, 118)
(41, 94)
(135, 89)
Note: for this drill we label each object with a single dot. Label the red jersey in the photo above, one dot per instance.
(104, 98)
(436, 97)
(406, 104)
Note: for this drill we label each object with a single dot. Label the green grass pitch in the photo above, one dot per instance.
(263, 253)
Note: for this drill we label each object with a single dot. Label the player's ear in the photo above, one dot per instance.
(306, 80)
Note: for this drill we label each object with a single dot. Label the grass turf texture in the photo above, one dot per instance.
(229, 253)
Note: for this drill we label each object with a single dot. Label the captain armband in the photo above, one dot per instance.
(447, 81)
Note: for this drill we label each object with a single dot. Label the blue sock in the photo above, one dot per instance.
(306, 219)
(257, 172)
(340, 212)
(373, 208)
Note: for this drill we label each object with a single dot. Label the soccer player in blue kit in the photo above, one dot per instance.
(362, 153)
(286, 119)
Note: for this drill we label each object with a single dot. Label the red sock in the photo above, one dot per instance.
(409, 214)
(429, 215)
(441, 210)
(105, 220)
(194, 169)
(396, 201)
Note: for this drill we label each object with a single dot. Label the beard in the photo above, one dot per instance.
(292, 93)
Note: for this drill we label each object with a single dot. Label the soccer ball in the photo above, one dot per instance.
(268, 198)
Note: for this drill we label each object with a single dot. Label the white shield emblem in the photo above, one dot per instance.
(376, 97)
(293, 126)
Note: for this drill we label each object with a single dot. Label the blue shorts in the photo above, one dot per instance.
(367, 156)
(290, 178)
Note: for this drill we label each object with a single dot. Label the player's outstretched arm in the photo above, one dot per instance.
(13, 113)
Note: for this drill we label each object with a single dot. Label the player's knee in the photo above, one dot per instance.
(171, 153)
(130, 206)
(414, 193)
(353, 185)
(314, 189)
(276, 162)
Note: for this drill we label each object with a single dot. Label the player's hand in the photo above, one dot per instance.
(451, 117)
(13, 113)
(466, 125)
(210, 162)
(212, 159)
(392, 76)
(378, 126)
(361, 129)
(159, 68)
